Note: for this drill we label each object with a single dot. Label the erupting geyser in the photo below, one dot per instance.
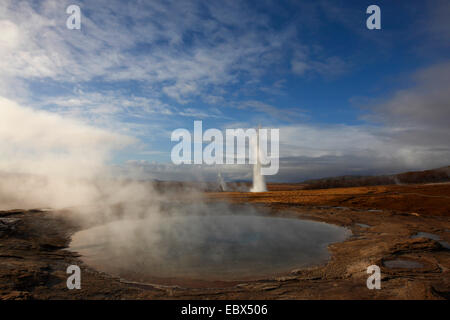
(259, 184)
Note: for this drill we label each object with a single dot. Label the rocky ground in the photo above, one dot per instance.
(34, 255)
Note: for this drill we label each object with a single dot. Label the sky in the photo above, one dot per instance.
(347, 100)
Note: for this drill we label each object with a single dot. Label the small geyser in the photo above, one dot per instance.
(221, 183)
(259, 184)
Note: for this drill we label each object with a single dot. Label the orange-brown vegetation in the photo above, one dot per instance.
(423, 199)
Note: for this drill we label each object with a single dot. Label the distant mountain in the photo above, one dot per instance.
(427, 176)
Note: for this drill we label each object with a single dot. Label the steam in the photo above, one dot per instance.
(259, 184)
(50, 161)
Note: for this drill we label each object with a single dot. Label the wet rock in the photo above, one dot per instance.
(8, 225)
(418, 244)
(16, 295)
(11, 212)
(49, 246)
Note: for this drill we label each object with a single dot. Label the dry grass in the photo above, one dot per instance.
(424, 199)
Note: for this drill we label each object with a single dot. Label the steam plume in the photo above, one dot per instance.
(222, 184)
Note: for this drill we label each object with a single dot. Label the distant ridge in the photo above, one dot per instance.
(427, 176)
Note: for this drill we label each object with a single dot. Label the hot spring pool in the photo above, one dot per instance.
(205, 248)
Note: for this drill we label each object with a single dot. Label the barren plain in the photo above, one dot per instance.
(387, 223)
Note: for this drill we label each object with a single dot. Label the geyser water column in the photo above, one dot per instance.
(259, 184)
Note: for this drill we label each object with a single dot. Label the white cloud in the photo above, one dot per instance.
(170, 47)
(312, 151)
(289, 115)
(420, 113)
(410, 132)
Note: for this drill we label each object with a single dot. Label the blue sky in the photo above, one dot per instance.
(347, 100)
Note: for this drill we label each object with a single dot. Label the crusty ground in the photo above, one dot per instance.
(34, 258)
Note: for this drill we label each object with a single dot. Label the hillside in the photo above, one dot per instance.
(412, 177)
